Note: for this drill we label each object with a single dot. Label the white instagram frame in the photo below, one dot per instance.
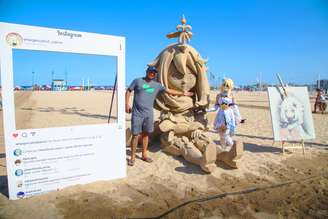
(48, 159)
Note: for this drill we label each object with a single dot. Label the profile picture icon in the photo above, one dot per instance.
(19, 172)
(20, 194)
(14, 39)
(18, 162)
(17, 152)
(19, 184)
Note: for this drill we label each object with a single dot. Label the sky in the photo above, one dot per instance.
(243, 40)
(76, 69)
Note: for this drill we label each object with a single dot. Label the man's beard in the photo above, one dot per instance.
(150, 79)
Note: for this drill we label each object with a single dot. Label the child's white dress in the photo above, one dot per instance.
(226, 118)
(233, 105)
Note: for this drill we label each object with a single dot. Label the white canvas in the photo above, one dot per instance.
(291, 116)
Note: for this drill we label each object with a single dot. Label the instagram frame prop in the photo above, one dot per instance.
(48, 159)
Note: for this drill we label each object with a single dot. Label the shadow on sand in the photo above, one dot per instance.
(261, 148)
(188, 167)
(71, 111)
(307, 143)
(254, 136)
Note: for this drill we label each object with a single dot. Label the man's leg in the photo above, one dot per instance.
(136, 124)
(147, 128)
(134, 143)
(145, 142)
(315, 106)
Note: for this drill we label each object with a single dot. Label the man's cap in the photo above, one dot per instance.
(151, 69)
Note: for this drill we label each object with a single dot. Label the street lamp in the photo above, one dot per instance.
(52, 79)
(33, 80)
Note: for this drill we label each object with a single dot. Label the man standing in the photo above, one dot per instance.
(142, 122)
(320, 101)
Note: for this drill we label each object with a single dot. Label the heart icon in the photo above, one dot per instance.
(15, 135)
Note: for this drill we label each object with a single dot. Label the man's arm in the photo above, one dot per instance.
(127, 101)
(179, 93)
(128, 94)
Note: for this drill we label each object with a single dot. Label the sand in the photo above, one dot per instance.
(152, 189)
(43, 109)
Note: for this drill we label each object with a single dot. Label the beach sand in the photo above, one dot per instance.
(44, 109)
(152, 189)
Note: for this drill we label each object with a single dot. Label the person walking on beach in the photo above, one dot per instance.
(225, 123)
(142, 122)
(226, 91)
(320, 101)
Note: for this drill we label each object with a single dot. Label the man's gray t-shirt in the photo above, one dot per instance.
(144, 96)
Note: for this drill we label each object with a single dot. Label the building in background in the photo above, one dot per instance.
(323, 84)
(58, 85)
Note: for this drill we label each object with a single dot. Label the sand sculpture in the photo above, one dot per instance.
(182, 123)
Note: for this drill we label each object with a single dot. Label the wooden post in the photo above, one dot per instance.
(303, 147)
(293, 146)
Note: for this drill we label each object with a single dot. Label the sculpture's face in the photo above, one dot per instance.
(180, 81)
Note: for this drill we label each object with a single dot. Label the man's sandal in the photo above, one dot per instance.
(131, 162)
(147, 159)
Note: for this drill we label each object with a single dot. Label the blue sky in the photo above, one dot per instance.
(75, 68)
(242, 39)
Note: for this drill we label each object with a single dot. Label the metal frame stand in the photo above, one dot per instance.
(112, 100)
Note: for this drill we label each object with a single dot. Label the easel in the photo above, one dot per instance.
(283, 95)
(292, 146)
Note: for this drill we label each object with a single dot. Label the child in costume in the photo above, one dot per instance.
(227, 118)
(226, 91)
(225, 123)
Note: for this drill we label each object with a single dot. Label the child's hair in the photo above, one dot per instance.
(227, 84)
